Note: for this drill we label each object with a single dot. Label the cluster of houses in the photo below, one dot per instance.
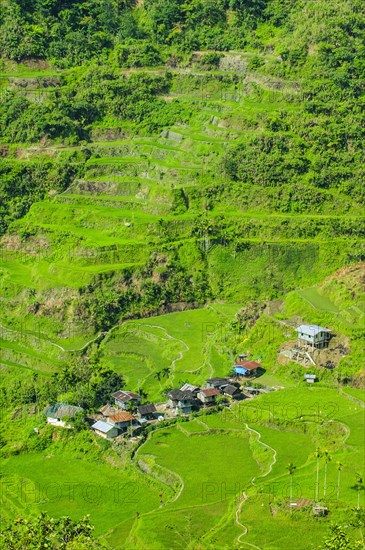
(128, 415)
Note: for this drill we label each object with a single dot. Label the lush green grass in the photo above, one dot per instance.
(61, 484)
(209, 486)
(120, 215)
(180, 342)
(317, 300)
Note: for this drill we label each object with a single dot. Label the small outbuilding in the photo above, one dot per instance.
(252, 391)
(104, 429)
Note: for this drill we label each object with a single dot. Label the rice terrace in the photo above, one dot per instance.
(182, 275)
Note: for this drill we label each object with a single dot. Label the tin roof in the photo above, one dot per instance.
(147, 409)
(103, 427)
(311, 330)
(61, 410)
(107, 410)
(122, 416)
(178, 395)
(231, 390)
(189, 387)
(125, 396)
(248, 365)
(209, 392)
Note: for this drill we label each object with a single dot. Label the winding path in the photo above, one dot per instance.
(244, 497)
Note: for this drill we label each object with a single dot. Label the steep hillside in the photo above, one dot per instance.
(139, 172)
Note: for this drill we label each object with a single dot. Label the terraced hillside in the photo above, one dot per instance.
(181, 183)
(141, 215)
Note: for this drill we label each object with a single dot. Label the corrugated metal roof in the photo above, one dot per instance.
(209, 392)
(122, 417)
(311, 330)
(103, 427)
(178, 395)
(107, 410)
(248, 365)
(231, 390)
(240, 370)
(149, 408)
(189, 387)
(125, 396)
(61, 410)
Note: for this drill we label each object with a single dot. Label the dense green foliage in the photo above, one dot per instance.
(46, 532)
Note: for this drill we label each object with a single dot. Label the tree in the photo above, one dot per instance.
(109, 383)
(291, 468)
(338, 540)
(46, 532)
(318, 455)
(166, 372)
(359, 486)
(339, 468)
(327, 459)
(358, 521)
(158, 375)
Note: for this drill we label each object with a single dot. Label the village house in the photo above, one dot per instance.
(147, 412)
(180, 401)
(59, 414)
(232, 391)
(246, 368)
(190, 387)
(217, 383)
(208, 396)
(104, 429)
(122, 420)
(314, 336)
(123, 398)
(107, 410)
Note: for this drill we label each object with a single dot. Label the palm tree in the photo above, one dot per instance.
(291, 468)
(143, 394)
(158, 375)
(35, 378)
(318, 455)
(166, 372)
(359, 482)
(327, 459)
(339, 468)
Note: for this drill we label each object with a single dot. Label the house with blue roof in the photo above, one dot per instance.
(246, 368)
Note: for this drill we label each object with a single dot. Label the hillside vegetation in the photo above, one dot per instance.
(181, 182)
